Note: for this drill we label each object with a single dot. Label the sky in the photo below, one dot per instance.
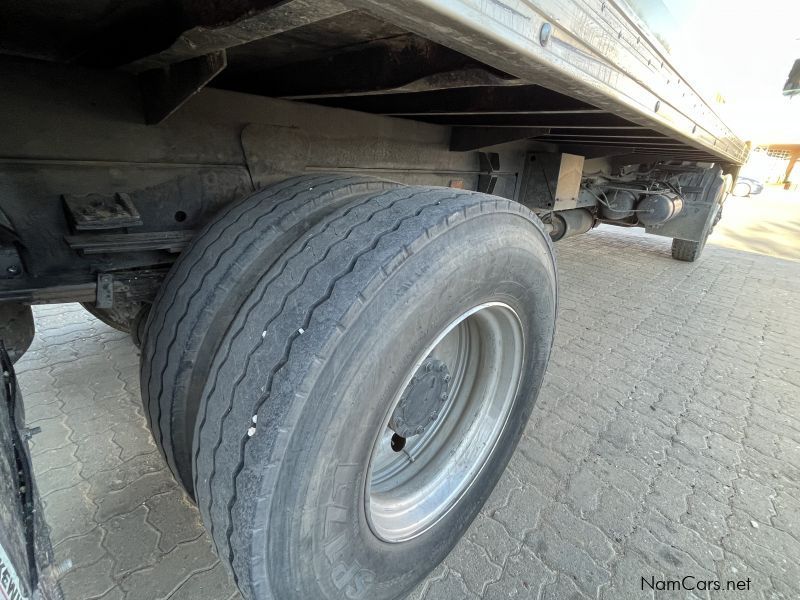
(741, 49)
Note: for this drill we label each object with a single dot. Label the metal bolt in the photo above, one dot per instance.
(446, 378)
(420, 429)
(443, 397)
(28, 432)
(428, 367)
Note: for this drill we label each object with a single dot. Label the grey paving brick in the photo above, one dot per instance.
(131, 540)
(525, 577)
(210, 583)
(92, 581)
(70, 511)
(171, 572)
(521, 514)
(449, 586)
(175, 519)
(494, 538)
(133, 495)
(473, 564)
(83, 550)
(564, 588)
(627, 580)
(565, 555)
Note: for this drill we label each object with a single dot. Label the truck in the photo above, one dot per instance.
(329, 227)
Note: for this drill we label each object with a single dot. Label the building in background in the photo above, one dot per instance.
(775, 164)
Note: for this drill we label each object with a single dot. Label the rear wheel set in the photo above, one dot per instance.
(342, 390)
(713, 188)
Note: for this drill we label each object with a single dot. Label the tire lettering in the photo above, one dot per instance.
(361, 584)
(350, 578)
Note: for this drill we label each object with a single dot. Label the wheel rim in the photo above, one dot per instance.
(741, 190)
(410, 490)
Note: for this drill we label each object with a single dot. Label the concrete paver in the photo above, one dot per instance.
(665, 443)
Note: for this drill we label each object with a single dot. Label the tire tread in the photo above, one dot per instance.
(383, 232)
(201, 283)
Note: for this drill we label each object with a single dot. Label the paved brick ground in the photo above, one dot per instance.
(666, 443)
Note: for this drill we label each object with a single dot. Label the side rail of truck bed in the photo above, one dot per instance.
(594, 50)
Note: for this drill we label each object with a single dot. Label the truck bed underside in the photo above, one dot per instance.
(592, 85)
(126, 126)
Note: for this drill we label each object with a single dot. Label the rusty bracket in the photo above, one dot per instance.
(489, 162)
(166, 88)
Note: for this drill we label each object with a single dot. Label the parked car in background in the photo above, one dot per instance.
(747, 186)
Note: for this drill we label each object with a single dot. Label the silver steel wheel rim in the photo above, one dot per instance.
(408, 492)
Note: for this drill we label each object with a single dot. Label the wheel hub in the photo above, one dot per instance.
(454, 415)
(422, 399)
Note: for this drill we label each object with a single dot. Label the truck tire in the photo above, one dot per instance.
(207, 284)
(405, 336)
(139, 325)
(688, 250)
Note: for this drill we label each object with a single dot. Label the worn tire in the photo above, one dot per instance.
(205, 287)
(713, 185)
(139, 325)
(303, 377)
(686, 250)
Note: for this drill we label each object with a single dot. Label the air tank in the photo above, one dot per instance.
(620, 205)
(566, 223)
(655, 209)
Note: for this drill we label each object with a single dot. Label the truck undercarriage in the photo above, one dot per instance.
(168, 163)
(118, 195)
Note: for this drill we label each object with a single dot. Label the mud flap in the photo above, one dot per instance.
(26, 556)
(701, 192)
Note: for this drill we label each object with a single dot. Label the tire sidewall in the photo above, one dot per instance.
(319, 501)
(717, 188)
